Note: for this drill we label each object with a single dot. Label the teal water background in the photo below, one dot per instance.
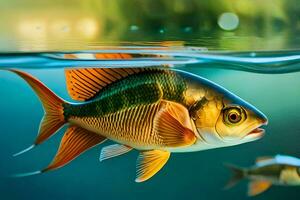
(258, 60)
(198, 175)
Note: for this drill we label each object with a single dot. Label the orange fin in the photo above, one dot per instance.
(173, 125)
(149, 163)
(257, 187)
(113, 151)
(53, 107)
(112, 56)
(102, 56)
(83, 84)
(75, 141)
(108, 56)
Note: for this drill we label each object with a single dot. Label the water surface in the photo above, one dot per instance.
(198, 175)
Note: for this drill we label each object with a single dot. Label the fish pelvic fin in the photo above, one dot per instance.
(53, 118)
(238, 174)
(113, 151)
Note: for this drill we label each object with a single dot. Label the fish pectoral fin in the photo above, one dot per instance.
(173, 125)
(75, 141)
(257, 187)
(149, 163)
(113, 151)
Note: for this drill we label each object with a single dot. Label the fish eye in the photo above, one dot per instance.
(233, 115)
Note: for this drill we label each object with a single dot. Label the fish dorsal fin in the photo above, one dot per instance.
(288, 160)
(149, 163)
(257, 187)
(84, 83)
(173, 125)
(75, 141)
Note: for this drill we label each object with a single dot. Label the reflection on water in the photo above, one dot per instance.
(156, 56)
(219, 25)
(276, 95)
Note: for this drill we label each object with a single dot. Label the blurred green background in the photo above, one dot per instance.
(28, 25)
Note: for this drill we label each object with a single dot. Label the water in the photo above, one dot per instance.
(271, 62)
(199, 175)
(256, 58)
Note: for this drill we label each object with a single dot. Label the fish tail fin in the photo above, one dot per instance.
(26, 174)
(238, 174)
(53, 118)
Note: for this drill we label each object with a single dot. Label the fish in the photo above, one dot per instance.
(155, 111)
(280, 170)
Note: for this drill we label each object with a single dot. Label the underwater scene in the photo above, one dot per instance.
(160, 99)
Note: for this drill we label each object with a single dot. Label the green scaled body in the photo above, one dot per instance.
(139, 89)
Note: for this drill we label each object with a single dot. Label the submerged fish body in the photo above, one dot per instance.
(267, 171)
(152, 110)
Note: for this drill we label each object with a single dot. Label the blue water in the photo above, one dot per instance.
(268, 80)
(148, 56)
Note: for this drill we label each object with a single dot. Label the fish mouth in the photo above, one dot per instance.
(255, 134)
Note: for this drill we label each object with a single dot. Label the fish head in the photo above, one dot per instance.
(220, 118)
(223, 119)
(239, 121)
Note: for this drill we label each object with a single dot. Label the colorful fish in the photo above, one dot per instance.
(155, 111)
(268, 171)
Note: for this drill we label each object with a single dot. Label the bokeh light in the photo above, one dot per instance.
(228, 21)
(30, 28)
(60, 27)
(88, 27)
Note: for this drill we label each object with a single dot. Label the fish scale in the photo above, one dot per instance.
(133, 126)
(134, 90)
(125, 111)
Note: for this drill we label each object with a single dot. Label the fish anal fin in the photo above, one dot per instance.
(149, 163)
(84, 83)
(113, 151)
(75, 141)
(173, 125)
(257, 187)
